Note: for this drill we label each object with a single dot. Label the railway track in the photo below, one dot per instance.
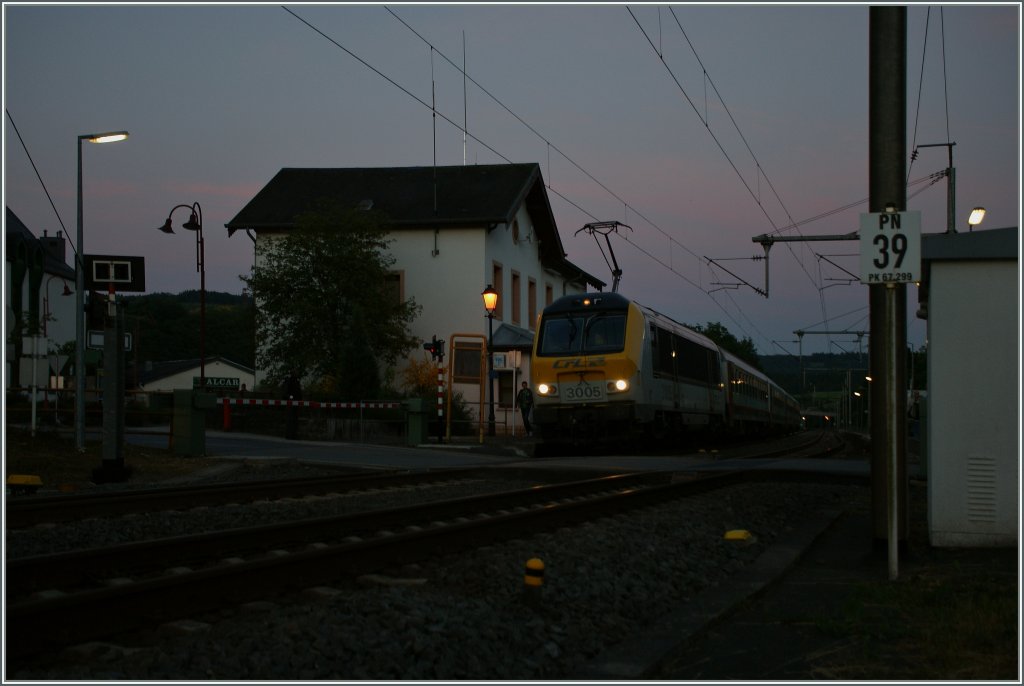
(28, 511)
(68, 598)
(104, 605)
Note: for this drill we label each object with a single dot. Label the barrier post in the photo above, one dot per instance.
(440, 400)
(226, 402)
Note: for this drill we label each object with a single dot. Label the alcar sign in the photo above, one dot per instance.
(218, 383)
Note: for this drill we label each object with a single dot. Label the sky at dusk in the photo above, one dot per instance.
(762, 122)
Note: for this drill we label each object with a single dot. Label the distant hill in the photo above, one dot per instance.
(823, 372)
(192, 296)
(167, 326)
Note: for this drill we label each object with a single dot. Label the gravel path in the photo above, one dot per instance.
(463, 616)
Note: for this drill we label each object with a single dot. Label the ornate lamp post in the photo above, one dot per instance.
(490, 297)
(195, 223)
(110, 137)
(47, 312)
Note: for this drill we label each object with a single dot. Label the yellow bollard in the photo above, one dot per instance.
(26, 483)
(533, 582)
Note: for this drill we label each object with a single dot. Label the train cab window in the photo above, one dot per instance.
(560, 335)
(605, 334)
(568, 335)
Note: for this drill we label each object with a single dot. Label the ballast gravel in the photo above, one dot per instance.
(465, 616)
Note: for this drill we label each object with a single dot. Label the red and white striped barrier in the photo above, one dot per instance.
(440, 390)
(259, 402)
(315, 404)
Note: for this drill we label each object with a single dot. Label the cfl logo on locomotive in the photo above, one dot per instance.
(578, 362)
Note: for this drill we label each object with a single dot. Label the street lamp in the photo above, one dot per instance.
(109, 137)
(47, 312)
(490, 297)
(977, 214)
(195, 223)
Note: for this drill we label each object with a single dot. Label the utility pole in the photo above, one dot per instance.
(887, 116)
(887, 120)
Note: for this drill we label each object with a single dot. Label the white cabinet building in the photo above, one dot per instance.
(971, 299)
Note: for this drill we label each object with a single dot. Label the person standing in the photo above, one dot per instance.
(524, 400)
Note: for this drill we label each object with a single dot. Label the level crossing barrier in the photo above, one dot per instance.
(228, 403)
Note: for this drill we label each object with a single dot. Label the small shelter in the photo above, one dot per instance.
(970, 295)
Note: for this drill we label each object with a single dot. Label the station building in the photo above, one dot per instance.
(38, 298)
(455, 230)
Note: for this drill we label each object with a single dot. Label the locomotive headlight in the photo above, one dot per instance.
(546, 389)
(618, 386)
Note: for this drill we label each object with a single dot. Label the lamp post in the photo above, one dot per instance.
(195, 223)
(977, 214)
(46, 344)
(109, 137)
(490, 297)
(47, 312)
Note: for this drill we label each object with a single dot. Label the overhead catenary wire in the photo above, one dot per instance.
(39, 176)
(721, 147)
(920, 87)
(628, 207)
(507, 109)
(714, 137)
(393, 82)
(659, 50)
(529, 127)
(551, 146)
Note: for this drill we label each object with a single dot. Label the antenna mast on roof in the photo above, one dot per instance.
(465, 107)
(433, 122)
(605, 228)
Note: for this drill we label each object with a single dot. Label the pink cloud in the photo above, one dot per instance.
(236, 191)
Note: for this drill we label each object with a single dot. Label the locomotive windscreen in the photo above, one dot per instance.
(582, 333)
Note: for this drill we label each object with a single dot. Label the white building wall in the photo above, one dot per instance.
(522, 256)
(973, 403)
(447, 285)
(446, 271)
(60, 326)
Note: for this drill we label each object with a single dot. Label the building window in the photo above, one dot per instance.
(394, 282)
(516, 304)
(515, 231)
(549, 294)
(467, 367)
(497, 282)
(531, 303)
(506, 391)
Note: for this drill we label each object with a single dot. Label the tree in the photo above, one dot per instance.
(325, 307)
(166, 326)
(743, 349)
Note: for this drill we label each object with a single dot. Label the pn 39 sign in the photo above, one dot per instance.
(890, 247)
